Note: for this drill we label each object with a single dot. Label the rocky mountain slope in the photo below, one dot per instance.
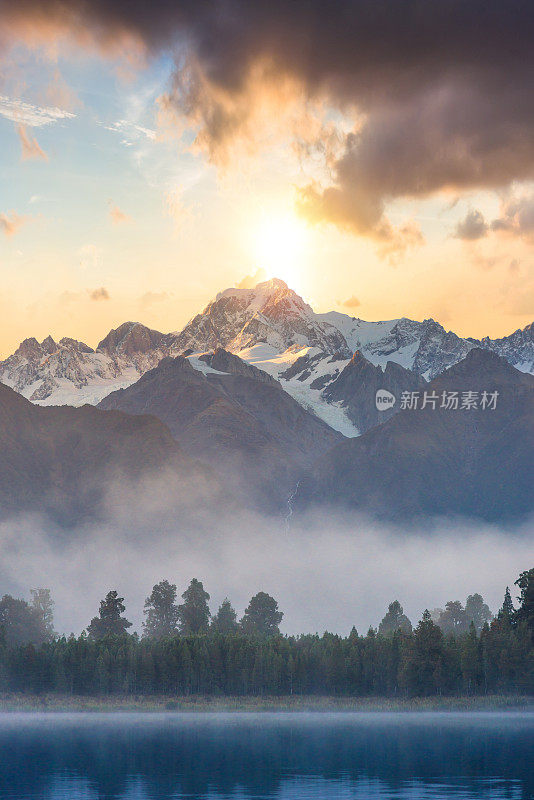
(270, 327)
(72, 464)
(436, 460)
(235, 418)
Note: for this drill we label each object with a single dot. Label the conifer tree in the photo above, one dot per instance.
(262, 617)
(43, 606)
(453, 619)
(161, 611)
(507, 610)
(110, 621)
(395, 620)
(225, 620)
(525, 612)
(425, 659)
(194, 613)
(477, 611)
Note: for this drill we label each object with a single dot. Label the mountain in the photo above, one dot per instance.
(235, 418)
(270, 312)
(69, 372)
(270, 327)
(474, 462)
(68, 463)
(356, 387)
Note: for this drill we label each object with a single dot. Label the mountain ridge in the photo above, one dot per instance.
(268, 326)
(432, 460)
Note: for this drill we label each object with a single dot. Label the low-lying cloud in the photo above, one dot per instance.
(327, 573)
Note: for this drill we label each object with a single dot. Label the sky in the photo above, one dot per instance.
(377, 157)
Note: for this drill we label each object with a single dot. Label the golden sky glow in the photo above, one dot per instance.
(121, 198)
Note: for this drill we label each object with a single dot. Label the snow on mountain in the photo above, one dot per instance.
(304, 383)
(270, 313)
(270, 327)
(69, 372)
(517, 349)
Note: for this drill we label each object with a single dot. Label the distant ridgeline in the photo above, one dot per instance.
(182, 652)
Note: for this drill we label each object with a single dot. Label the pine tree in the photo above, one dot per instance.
(225, 620)
(395, 620)
(507, 611)
(453, 619)
(43, 605)
(262, 617)
(477, 611)
(469, 659)
(110, 621)
(161, 611)
(423, 669)
(194, 613)
(20, 623)
(525, 612)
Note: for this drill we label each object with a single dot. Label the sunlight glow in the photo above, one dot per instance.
(279, 244)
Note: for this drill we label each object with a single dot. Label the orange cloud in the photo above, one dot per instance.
(30, 146)
(10, 224)
(117, 215)
(352, 302)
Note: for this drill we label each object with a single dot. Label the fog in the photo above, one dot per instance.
(327, 571)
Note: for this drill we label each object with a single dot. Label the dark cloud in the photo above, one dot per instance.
(443, 87)
(99, 294)
(472, 227)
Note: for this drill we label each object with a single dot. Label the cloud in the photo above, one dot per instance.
(31, 148)
(517, 217)
(99, 294)
(11, 223)
(117, 215)
(441, 90)
(59, 93)
(351, 302)
(472, 227)
(360, 567)
(32, 116)
(131, 131)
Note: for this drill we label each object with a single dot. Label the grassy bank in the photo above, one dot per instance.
(57, 703)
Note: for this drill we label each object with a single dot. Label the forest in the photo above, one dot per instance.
(185, 650)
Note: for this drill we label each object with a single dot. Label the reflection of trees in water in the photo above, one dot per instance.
(173, 757)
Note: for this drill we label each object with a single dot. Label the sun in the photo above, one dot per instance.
(279, 244)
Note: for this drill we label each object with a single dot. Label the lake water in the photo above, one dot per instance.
(282, 756)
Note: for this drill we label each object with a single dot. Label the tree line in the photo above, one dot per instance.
(184, 650)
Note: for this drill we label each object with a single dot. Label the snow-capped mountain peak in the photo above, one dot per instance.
(270, 312)
(268, 325)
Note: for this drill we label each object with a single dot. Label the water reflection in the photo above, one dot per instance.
(281, 757)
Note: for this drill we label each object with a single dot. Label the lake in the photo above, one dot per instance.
(284, 756)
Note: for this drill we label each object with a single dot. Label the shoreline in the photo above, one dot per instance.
(293, 704)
